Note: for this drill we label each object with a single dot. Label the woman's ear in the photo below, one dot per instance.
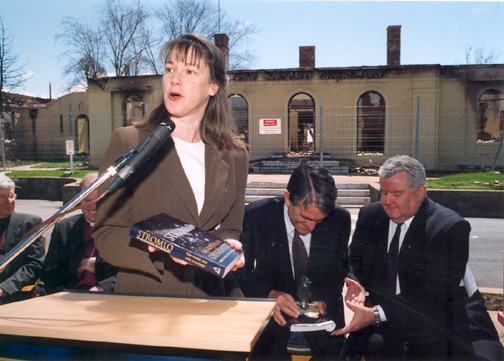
(214, 88)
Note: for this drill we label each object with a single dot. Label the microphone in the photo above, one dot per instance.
(143, 151)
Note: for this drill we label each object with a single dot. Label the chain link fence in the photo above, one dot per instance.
(441, 138)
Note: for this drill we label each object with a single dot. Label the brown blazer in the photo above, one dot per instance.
(160, 186)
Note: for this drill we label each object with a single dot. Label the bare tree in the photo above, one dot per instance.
(122, 26)
(118, 37)
(203, 17)
(480, 56)
(130, 43)
(188, 16)
(85, 51)
(11, 76)
(149, 57)
(241, 54)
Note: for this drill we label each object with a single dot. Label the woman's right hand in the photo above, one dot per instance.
(175, 259)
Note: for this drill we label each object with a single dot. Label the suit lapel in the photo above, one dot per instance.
(171, 165)
(380, 227)
(381, 231)
(13, 230)
(415, 239)
(216, 175)
(283, 247)
(277, 245)
(316, 248)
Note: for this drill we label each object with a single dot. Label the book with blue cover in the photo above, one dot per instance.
(187, 242)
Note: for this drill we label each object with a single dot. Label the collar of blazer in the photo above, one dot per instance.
(216, 175)
(13, 231)
(416, 232)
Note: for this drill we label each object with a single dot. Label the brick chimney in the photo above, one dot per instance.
(222, 42)
(394, 45)
(307, 57)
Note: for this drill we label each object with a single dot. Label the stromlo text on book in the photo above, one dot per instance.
(187, 242)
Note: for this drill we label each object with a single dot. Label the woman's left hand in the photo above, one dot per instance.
(232, 242)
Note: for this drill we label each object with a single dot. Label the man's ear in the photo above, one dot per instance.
(421, 192)
(287, 198)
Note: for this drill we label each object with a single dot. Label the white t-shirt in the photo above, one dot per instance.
(192, 157)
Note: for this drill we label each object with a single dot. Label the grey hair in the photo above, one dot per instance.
(88, 179)
(401, 163)
(6, 182)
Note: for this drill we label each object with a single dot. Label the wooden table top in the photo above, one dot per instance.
(205, 324)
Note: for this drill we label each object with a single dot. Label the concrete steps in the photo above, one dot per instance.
(283, 164)
(349, 195)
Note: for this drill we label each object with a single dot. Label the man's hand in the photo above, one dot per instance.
(322, 306)
(355, 291)
(97, 288)
(363, 316)
(284, 303)
(87, 264)
(3, 293)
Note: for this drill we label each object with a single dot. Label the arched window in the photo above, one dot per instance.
(301, 123)
(371, 123)
(82, 130)
(490, 122)
(239, 112)
(133, 109)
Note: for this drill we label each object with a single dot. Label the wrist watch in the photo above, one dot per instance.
(377, 318)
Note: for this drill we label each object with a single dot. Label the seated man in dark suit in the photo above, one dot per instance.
(484, 336)
(25, 268)
(272, 229)
(410, 254)
(72, 261)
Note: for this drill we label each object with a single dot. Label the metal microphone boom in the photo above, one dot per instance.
(126, 165)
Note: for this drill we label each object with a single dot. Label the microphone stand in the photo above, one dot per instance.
(127, 163)
(31, 237)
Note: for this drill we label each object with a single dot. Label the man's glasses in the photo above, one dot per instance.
(10, 197)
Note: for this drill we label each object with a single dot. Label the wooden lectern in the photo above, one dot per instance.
(135, 324)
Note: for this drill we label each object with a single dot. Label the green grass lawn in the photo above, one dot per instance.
(78, 173)
(59, 165)
(474, 180)
(61, 169)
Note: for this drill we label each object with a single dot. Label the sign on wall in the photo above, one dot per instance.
(270, 126)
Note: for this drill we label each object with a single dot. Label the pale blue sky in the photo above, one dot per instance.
(345, 33)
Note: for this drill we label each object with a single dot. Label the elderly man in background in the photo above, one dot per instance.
(25, 268)
(72, 261)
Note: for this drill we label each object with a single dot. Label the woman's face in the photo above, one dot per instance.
(187, 87)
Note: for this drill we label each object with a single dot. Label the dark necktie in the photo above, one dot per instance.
(392, 261)
(88, 279)
(300, 256)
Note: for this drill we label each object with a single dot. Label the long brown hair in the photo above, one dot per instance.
(216, 127)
